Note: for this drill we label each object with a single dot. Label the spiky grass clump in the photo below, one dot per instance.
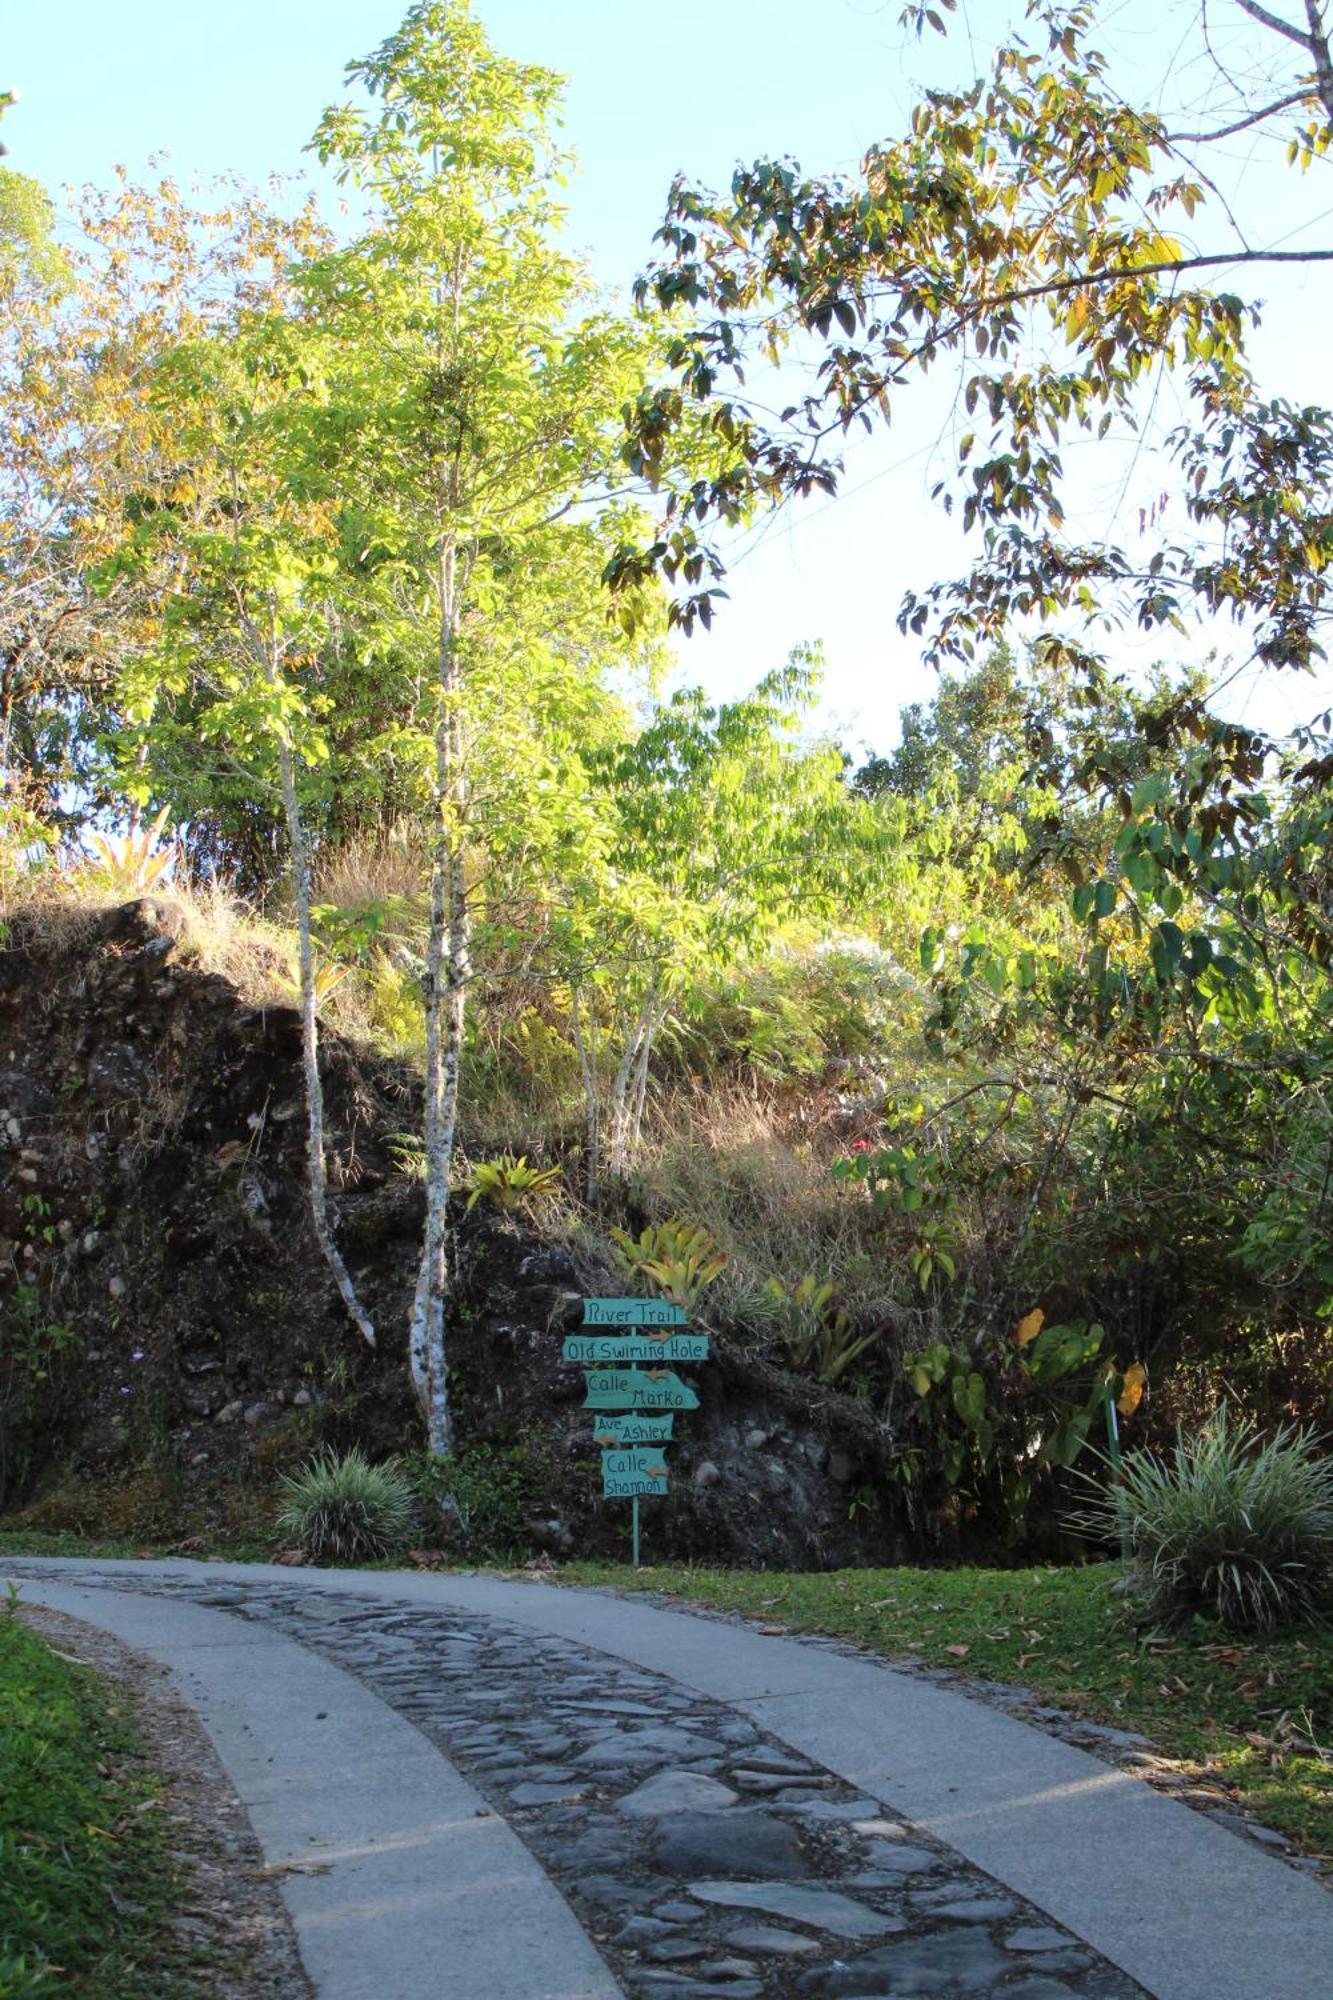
(1229, 1524)
(341, 1508)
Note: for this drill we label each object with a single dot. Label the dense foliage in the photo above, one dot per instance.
(994, 1072)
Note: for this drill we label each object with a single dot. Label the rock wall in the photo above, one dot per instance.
(170, 1331)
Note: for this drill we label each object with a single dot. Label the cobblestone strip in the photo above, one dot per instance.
(704, 1857)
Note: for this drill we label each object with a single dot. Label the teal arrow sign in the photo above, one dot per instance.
(638, 1389)
(626, 1473)
(633, 1429)
(632, 1312)
(635, 1347)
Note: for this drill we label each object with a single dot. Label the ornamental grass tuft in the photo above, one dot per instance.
(341, 1508)
(1231, 1524)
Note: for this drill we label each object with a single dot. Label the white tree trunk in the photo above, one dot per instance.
(641, 1082)
(587, 1048)
(447, 972)
(624, 1088)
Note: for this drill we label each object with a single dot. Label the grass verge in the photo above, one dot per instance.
(86, 1882)
(1252, 1718)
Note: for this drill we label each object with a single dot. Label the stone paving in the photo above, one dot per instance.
(704, 1857)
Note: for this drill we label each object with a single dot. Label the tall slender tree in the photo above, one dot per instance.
(477, 400)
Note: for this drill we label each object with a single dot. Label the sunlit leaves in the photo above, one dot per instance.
(1036, 202)
(1028, 1327)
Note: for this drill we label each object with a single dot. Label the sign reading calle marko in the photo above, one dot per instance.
(638, 1389)
(640, 1401)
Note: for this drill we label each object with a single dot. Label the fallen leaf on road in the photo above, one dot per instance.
(296, 1866)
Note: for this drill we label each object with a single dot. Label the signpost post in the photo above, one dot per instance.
(634, 1394)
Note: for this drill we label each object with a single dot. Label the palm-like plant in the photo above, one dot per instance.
(131, 864)
(1228, 1523)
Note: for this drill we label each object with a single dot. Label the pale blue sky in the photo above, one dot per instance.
(652, 88)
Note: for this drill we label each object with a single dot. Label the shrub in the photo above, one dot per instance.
(489, 1491)
(1228, 1524)
(341, 1508)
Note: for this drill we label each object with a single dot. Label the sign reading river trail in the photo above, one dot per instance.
(645, 1398)
(632, 1312)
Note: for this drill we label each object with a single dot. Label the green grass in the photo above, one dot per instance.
(1248, 1715)
(65, 1542)
(34, 1542)
(85, 1879)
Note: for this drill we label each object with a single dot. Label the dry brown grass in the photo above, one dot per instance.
(218, 932)
(388, 872)
(746, 1167)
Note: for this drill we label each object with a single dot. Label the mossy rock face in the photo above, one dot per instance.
(209, 1350)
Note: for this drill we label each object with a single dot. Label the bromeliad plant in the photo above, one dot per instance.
(130, 864)
(510, 1182)
(817, 1331)
(678, 1259)
(344, 1509)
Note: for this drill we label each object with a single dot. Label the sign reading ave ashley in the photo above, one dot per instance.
(631, 1429)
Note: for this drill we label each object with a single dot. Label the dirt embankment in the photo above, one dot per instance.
(172, 1339)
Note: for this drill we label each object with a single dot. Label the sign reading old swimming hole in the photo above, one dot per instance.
(639, 1401)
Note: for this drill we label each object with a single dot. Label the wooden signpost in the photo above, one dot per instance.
(635, 1395)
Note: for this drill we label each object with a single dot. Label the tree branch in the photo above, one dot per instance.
(1318, 44)
(1276, 23)
(1241, 124)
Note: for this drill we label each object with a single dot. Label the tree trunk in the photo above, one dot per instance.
(625, 1086)
(316, 1167)
(641, 1082)
(587, 1048)
(447, 971)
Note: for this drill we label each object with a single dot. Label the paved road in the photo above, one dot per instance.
(510, 1791)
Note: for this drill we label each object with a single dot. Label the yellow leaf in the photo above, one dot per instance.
(1029, 1327)
(1132, 1388)
(1076, 317)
